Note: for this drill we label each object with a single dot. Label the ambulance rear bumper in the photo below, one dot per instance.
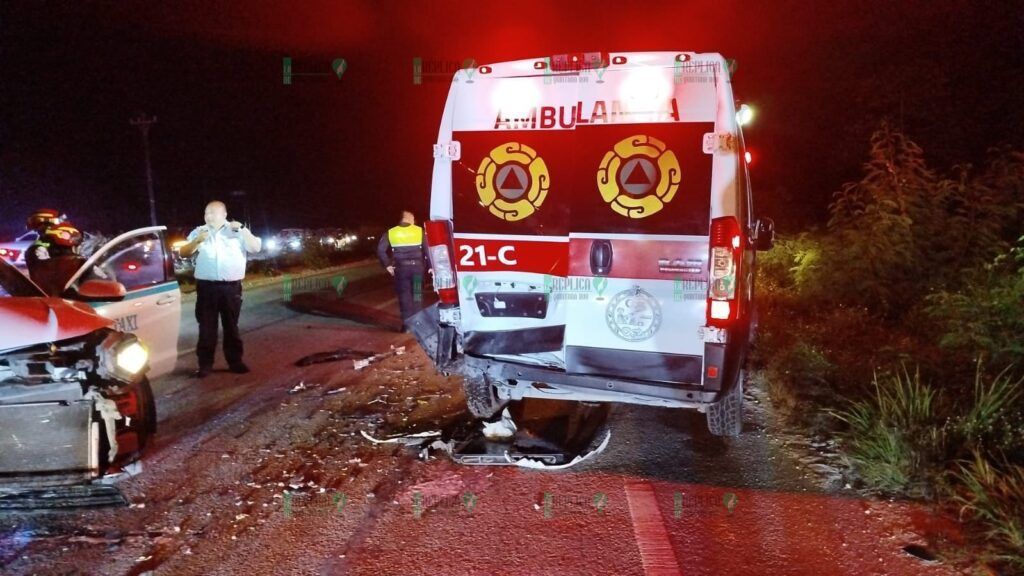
(517, 381)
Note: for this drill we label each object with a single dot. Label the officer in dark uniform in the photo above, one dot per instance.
(38, 222)
(407, 262)
(53, 258)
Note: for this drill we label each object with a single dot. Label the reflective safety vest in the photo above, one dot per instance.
(406, 245)
(403, 236)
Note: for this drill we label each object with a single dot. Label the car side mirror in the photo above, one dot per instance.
(765, 234)
(101, 290)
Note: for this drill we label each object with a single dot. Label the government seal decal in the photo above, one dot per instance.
(633, 314)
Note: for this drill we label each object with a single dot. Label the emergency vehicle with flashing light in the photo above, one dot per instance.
(592, 234)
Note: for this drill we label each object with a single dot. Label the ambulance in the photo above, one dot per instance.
(592, 234)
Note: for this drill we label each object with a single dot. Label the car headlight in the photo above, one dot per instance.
(132, 358)
(122, 357)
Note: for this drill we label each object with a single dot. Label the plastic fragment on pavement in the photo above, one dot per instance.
(408, 440)
(360, 364)
(537, 464)
(502, 429)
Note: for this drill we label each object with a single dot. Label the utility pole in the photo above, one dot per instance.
(143, 123)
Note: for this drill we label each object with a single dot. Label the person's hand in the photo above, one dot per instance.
(430, 271)
(391, 270)
(235, 225)
(202, 235)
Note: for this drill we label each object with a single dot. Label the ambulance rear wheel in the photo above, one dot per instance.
(481, 397)
(725, 417)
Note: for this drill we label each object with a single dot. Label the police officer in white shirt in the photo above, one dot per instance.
(220, 266)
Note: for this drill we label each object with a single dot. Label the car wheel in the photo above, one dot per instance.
(481, 397)
(148, 408)
(725, 417)
(135, 431)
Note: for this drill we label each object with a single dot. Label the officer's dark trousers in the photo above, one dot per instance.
(218, 300)
(409, 286)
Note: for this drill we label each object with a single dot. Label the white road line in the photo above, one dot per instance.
(649, 529)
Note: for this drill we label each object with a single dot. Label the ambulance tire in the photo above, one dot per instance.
(725, 417)
(481, 397)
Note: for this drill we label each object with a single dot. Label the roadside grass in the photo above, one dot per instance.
(895, 437)
(993, 496)
(914, 418)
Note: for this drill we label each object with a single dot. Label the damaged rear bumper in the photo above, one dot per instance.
(516, 381)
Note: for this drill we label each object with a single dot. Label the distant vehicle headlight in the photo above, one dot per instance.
(122, 357)
(295, 244)
(272, 244)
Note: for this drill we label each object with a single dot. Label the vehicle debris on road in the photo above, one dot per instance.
(395, 351)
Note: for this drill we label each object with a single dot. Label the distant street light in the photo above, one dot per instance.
(143, 123)
(744, 115)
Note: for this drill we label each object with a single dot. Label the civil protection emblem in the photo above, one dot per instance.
(639, 176)
(512, 181)
(633, 314)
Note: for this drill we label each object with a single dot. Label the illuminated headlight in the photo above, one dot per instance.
(132, 358)
(122, 357)
(272, 244)
(295, 244)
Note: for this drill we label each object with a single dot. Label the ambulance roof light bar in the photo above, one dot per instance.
(576, 61)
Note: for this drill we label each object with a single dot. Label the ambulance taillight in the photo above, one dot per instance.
(726, 256)
(439, 244)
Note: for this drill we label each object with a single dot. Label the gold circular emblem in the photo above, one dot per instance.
(512, 181)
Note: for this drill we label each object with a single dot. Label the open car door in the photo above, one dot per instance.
(151, 309)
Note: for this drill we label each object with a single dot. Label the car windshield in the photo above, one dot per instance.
(14, 283)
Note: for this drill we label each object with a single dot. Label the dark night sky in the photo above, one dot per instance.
(323, 150)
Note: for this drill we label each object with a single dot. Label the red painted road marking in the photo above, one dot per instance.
(649, 529)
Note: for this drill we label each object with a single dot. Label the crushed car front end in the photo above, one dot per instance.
(74, 409)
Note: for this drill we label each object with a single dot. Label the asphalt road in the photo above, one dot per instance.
(268, 473)
(265, 304)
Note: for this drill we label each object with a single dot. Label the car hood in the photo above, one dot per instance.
(30, 321)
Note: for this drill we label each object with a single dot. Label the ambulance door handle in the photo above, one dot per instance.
(601, 257)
